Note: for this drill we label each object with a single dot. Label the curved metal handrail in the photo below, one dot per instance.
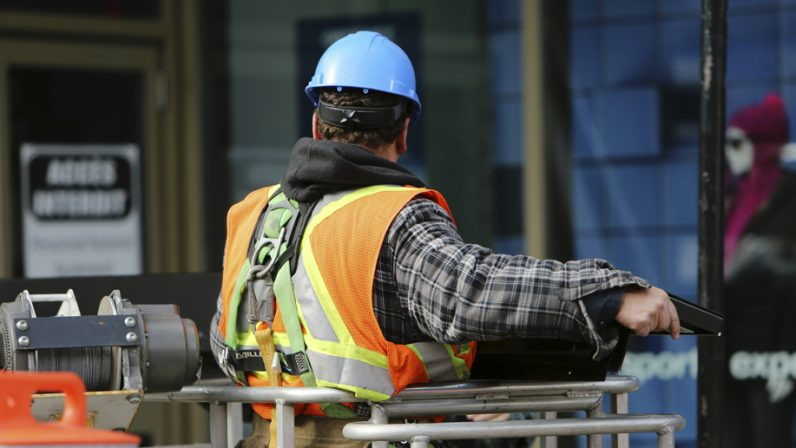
(226, 392)
(420, 433)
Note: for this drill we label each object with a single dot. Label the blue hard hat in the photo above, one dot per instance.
(366, 60)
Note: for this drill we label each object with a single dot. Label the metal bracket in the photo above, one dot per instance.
(77, 331)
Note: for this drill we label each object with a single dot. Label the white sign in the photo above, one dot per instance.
(81, 210)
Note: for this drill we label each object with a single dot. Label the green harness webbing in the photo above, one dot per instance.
(280, 224)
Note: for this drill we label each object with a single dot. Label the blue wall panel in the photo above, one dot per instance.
(679, 7)
(586, 139)
(629, 52)
(788, 44)
(680, 254)
(507, 132)
(506, 62)
(680, 51)
(751, 49)
(745, 6)
(589, 196)
(629, 120)
(584, 10)
(584, 58)
(638, 253)
(591, 245)
(624, 9)
(680, 193)
(633, 196)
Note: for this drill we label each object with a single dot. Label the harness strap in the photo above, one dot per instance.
(286, 298)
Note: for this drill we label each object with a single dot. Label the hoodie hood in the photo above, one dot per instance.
(320, 167)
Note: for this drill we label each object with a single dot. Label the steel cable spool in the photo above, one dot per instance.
(91, 364)
(148, 347)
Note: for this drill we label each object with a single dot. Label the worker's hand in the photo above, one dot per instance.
(488, 417)
(645, 310)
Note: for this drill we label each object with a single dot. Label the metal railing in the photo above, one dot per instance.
(475, 397)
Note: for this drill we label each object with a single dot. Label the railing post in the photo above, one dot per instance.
(666, 440)
(619, 405)
(218, 425)
(378, 416)
(420, 442)
(549, 441)
(234, 423)
(285, 420)
(596, 440)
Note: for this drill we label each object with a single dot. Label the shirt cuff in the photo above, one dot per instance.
(603, 306)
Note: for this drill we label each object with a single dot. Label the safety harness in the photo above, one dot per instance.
(272, 260)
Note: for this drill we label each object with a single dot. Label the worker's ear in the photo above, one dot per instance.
(315, 133)
(401, 143)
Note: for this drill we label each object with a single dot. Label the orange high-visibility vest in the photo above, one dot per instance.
(333, 288)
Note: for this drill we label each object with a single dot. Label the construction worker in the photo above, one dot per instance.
(355, 272)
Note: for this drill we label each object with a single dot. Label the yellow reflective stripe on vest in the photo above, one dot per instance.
(349, 351)
(462, 372)
(347, 199)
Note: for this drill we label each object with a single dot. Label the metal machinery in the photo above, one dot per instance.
(124, 351)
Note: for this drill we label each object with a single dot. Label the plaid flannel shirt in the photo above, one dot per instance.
(431, 285)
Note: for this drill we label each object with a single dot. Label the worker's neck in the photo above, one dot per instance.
(388, 152)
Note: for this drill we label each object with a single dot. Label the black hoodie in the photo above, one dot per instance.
(319, 167)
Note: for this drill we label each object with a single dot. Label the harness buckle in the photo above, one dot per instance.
(260, 281)
(261, 270)
(295, 363)
(223, 362)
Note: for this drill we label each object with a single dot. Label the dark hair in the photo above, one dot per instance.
(370, 138)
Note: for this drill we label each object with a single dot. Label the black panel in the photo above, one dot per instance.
(507, 201)
(102, 9)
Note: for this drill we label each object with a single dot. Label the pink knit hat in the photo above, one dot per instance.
(766, 121)
(766, 125)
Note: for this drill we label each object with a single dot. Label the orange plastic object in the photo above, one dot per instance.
(19, 428)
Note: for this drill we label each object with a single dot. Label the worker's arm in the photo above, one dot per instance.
(456, 291)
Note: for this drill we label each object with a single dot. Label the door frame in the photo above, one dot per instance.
(142, 60)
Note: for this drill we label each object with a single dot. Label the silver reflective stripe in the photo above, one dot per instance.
(347, 371)
(318, 324)
(437, 360)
